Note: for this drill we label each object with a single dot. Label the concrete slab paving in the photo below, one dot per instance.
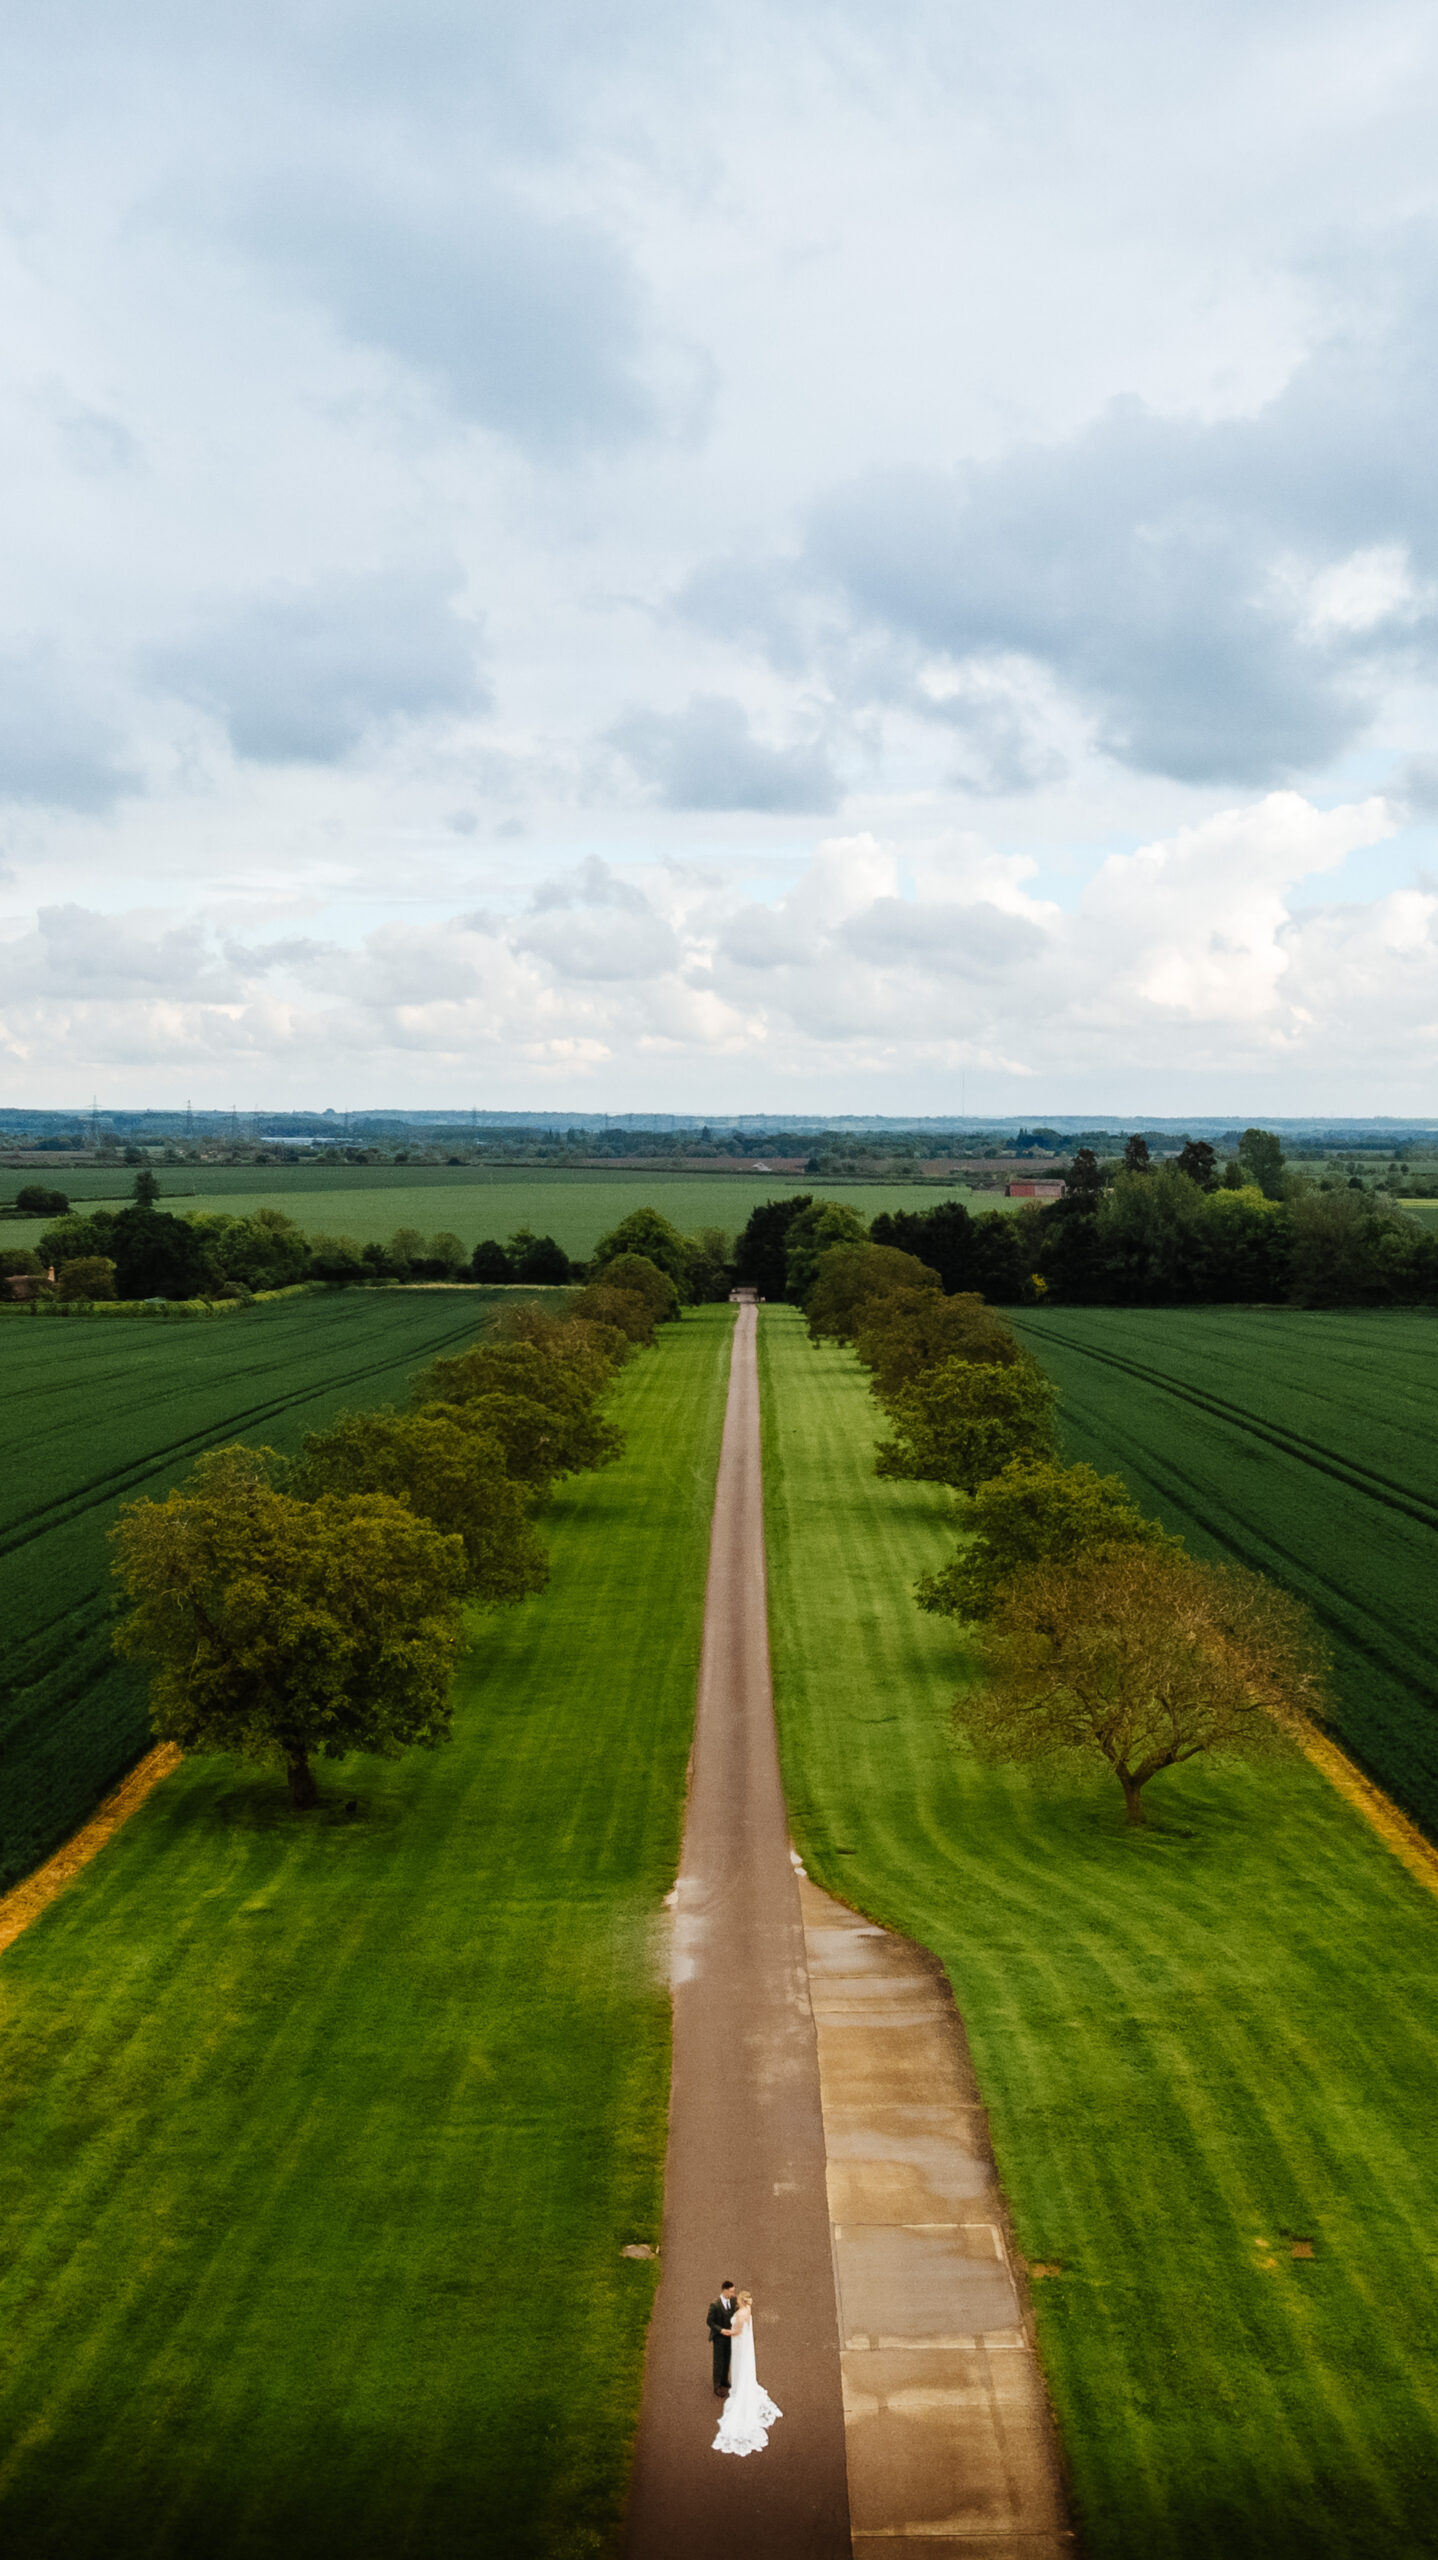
(948, 2438)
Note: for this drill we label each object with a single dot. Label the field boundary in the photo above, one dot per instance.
(25, 1901)
(1410, 1846)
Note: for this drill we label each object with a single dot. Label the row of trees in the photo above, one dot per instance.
(296, 1610)
(144, 1251)
(1170, 1235)
(1095, 1633)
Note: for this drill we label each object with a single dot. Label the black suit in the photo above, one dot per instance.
(719, 2316)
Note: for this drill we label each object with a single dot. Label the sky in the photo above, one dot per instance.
(812, 558)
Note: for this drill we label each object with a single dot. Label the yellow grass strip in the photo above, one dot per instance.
(1394, 1829)
(25, 1901)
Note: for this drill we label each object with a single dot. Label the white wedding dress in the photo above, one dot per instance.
(749, 2412)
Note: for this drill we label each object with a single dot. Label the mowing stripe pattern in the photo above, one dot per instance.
(321, 2139)
(1203, 2049)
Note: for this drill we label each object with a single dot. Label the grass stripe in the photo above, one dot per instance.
(1219, 2034)
(320, 2140)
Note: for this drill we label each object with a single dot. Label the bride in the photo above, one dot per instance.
(749, 2412)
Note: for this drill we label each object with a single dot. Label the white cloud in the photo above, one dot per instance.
(853, 971)
(819, 524)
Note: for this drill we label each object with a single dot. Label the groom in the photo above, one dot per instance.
(719, 2315)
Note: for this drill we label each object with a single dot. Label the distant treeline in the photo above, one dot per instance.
(1134, 1236)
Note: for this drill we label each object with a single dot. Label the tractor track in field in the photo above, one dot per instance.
(1393, 1750)
(1293, 1444)
(37, 1523)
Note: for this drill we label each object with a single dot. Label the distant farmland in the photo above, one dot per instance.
(368, 1202)
(94, 1413)
(1303, 1443)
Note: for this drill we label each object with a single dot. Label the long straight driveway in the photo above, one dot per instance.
(745, 2190)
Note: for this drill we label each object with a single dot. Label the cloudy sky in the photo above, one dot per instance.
(734, 556)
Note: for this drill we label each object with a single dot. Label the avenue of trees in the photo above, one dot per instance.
(1187, 1232)
(1095, 1635)
(144, 1251)
(289, 1612)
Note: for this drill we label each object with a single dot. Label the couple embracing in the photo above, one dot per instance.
(748, 2412)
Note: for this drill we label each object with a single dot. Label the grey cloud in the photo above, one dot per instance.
(1416, 785)
(766, 938)
(531, 324)
(256, 959)
(594, 926)
(54, 749)
(1166, 574)
(974, 940)
(707, 757)
(591, 884)
(96, 443)
(299, 674)
(79, 953)
(1106, 564)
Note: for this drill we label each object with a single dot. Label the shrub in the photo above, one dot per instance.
(90, 1276)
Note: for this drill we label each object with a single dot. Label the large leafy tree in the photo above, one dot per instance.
(541, 1410)
(964, 1421)
(449, 1470)
(761, 1246)
(645, 1232)
(823, 1224)
(286, 1630)
(901, 1334)
(1260, 1154)
(538, 1261)
(1142, 1658)
(1197, 1160)
(641, 1278)
(155, 1255)
(617, 1310)
(852, 1278)
(943, 1238)
(1034, 1512)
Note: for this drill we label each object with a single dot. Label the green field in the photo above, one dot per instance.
(367, 1202)
(1197, 2044)
(93, 1413)
(1304, 1443)
(320, 2139)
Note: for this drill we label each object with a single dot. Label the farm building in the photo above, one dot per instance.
(1033, 1190)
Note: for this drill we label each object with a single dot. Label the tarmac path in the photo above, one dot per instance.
(745, 2189)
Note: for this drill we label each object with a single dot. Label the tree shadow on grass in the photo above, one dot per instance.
(337, 2498)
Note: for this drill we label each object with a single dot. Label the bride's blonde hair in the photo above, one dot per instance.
(747, 2298)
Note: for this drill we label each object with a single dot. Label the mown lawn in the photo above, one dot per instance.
(320, 2139)
(1198, 2046)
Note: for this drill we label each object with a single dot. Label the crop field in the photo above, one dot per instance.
(1203, 2047)
(367, 1202)
(321, 2138)
(92, 1413)
(1303, 1443)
